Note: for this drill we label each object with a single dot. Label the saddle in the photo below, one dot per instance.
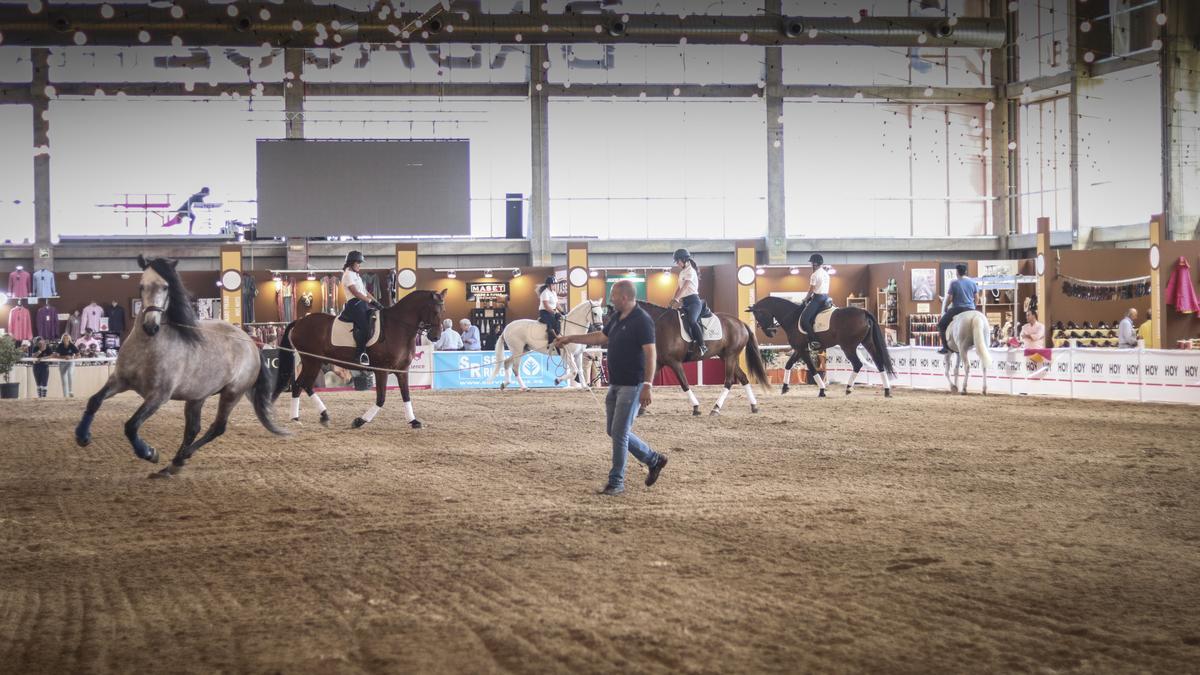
(710, 325)
(342, 334)
(821, 321)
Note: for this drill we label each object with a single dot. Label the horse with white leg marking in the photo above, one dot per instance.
(393, 350)
(525, 335)
(848, 328)
(176, 357)
(967, 330)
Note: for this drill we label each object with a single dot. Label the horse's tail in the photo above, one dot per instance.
(262, 395)
(500, 365)
(979, 326)
(287, 363)
(758, 370)
(883, 360)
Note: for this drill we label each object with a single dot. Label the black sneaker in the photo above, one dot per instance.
(612, 490)
(652, 477)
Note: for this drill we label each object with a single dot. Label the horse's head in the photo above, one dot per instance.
(163, 296)
(597, 316)
(431, 314)
(765, 319)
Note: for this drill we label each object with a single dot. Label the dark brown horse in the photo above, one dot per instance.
(419, 311)
(848, 328)
(738, 337)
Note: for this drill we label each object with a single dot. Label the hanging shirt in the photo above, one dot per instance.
(19, 324)
(18, 284)
(91, 317)
(116, 319)
(47, 323)
(818, 283)
(73, 327)
(689, 282)
(43, 284)
(548, 296)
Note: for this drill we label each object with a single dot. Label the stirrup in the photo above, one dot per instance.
(363, 359)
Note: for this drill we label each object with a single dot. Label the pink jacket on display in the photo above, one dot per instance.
(18, 284)
(90, 318)
(1180, 292)
(20, 325)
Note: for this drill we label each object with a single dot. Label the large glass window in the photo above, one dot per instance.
(16, 173)
(166, 64)
(655, 64)
(1044, 164)
(885, 170)
(1042, 37)
(417, 62)
(650, 169)
(498, 131)
(15, 64)
(120, 166)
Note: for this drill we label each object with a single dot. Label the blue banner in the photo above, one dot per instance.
(473, 370)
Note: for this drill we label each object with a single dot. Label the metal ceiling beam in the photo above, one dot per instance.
(207, 24)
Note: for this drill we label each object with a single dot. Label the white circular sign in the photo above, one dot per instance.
(745, 275)
(406, 278)
(578, 277)
(1155, 257)
(1041, 264)
(231, 280)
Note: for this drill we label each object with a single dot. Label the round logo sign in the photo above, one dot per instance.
(406, 278)
(745, 275)
(578, 277)
(231, 280)
(1041, 264)
(1155, 257)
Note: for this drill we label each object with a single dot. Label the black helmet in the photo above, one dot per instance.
(354, 257)
(682, 254)
(816, 259)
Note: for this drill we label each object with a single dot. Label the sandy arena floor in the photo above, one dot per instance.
(929, 532)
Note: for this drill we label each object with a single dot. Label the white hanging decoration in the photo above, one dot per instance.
(176, 41)
(80, 38)
(107, 11)
(176, 11)
(297, 25)
(35, 6)
(264, 14)
(743, 37)
(231, 10)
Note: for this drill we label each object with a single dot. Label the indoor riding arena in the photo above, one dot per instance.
(466, 336)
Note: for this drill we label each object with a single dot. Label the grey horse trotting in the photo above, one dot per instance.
(171, 355)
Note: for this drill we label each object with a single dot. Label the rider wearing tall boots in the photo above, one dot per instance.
(817, 298)
(548, 308)
(359, 303)
(687, 298)
(961, 297)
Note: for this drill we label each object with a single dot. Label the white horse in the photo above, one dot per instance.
(969, 329)
(530, 335)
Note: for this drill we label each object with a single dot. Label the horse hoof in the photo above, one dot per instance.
(416, 424)
(754, 409)
(963, 392)
(151, 455)
(503, 387)
(325, 419)
(296, 420)
(83, 441)
(849, 391)
(822, 394)
(695, 411)
(358, 423)
(163, 473)
(715, 412)
(887, 393)
(785, 389)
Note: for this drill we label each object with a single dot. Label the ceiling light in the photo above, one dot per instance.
(124, 276)
(516, 272)
(451, 275)
(488, 274)
(593, 273)
(760, 271)
(794, 270)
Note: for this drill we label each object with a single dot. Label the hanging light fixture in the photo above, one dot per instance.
(451, 275)
(516, 272)
(488, 274)
(794, 270)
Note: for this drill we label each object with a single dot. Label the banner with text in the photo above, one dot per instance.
(473, 370)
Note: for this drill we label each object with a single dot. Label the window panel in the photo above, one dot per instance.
(16, 64)
(16, 173)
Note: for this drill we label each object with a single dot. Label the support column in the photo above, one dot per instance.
(1158, 234)
(1181, 105)
(539, 113)
(231, 284)
(776, 214)
(577, 273)
(406, 269)
(43, 250)
(1002, 133)
(1044, 279)
(293, 92)
(746, 257)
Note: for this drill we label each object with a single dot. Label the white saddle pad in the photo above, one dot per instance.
(821, 323)
(343, 337)
(710, 325)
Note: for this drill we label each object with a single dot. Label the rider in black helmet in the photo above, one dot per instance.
(358, 304)
(687, 298)
(548, 308)
(817, 298)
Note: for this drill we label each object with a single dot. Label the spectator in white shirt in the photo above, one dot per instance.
(450, 341)
(1126, 334)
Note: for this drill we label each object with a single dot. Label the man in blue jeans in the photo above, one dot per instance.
(631, 361)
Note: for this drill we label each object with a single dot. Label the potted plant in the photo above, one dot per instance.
(770, 357)
(10, 355)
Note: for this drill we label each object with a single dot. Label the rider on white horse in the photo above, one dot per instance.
(817, 298)
(548, 309)
(961, 296)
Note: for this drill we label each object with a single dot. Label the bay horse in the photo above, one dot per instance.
(967, 330)
(530, 334)
(848, 328)
(673, 352)
(310, 336)
(172, 356)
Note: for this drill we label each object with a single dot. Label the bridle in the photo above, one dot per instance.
(153, 308)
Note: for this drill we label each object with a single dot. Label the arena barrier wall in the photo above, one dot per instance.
(1159, 376)
(473, 370)
(89, 376)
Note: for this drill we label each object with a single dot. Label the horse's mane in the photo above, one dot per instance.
(180, 311)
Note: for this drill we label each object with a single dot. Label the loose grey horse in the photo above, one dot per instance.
(171, 355)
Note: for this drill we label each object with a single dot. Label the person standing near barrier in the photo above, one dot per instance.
(1144, 330)
(68, 352)
(40, 351)
(631, 361)
(470, 336)
(1126, 335)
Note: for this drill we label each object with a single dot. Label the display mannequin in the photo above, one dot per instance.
(116, 319)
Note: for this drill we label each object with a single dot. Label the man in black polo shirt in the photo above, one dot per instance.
(631, 361)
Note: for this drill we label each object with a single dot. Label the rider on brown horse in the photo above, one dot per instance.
(817, 299)
(687, 299)
(358, 305)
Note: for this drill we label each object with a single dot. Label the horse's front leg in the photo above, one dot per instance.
(413, 422)
(953, 384)
(380, 398)
(83, 432)
(966, 362)
(812, 369)
(787, 370)
(141, 448)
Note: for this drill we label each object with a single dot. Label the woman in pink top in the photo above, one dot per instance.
(1033, 333)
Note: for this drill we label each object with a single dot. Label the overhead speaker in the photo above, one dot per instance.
(514, 206)
(943, 30)
(793, 28)
(435, 25)
(617, 28)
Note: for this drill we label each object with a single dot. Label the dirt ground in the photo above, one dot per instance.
(924, 533)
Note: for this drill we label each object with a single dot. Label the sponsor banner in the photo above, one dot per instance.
(473, 370)
(483, 290)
